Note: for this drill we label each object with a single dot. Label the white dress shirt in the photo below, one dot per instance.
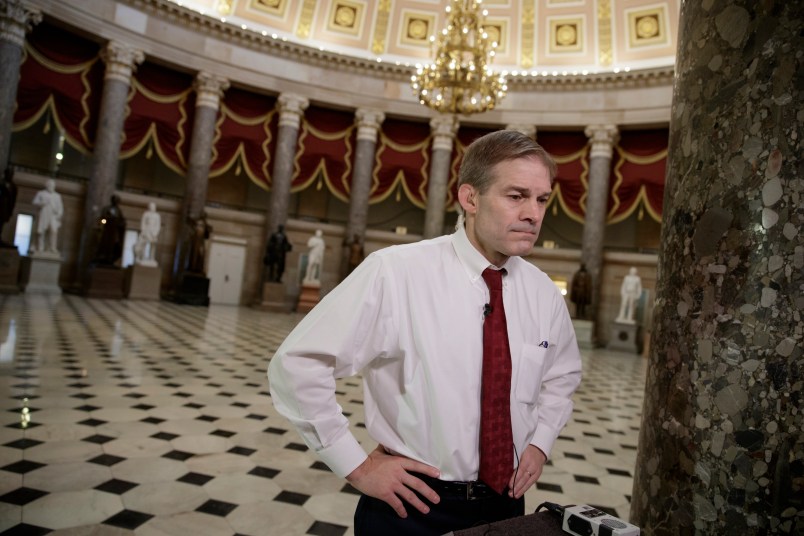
(410, 320)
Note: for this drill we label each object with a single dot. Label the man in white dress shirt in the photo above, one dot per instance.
(410, 319)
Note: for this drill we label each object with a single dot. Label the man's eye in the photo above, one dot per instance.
(515, 197)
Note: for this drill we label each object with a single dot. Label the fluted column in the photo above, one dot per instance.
(444, 128)
(602, 139)
(721, 446)
(291, 110)
(209, 89)
(121, 60)
(524, 128)
(368, 124)
(15, 20)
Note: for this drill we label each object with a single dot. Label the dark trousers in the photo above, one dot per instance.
(375, 517)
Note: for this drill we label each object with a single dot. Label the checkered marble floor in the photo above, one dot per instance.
(149, 418)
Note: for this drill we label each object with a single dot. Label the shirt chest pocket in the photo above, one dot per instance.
(532, 361)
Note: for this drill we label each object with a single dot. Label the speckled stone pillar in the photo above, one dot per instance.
(721, 448)
(527, 130)
(15, 19)
(444, 128)
(291, 109)
(209, 89)
(121, 61)
(602, 139)
(368, 123)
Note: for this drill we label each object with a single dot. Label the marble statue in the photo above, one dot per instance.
(315, 258)
(145, 248)
(48, 222)
(630, 291)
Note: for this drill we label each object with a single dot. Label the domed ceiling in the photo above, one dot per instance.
(536, 37)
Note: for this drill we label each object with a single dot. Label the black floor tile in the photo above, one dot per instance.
(22, 467)
(118, 487)
(22, 496)
(197, 479)
(320, 528)
(216, 508)
(128, 519)
(292, 497)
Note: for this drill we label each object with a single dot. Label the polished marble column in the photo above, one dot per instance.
(291, 110)
(15, 19)
(209, 89)
(444, 128)
(721, 447)
(121, 60)
(368, 124)
(602, 139)
(524, 128)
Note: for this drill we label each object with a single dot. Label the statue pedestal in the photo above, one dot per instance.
(308, 298)
(143, 282)
(273, 298)
(623, 337)
(193, 289)
(584, 332)
(9, 270)
(39, 273)
(105, 282)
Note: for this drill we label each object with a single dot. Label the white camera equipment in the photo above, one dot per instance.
(585, 520)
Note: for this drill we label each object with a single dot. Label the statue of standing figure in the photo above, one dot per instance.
(200, 231)
(275, 253)
(315, 258)
(48, 222)
(581, 291)
(630, 291)
(8, 197)
(150, 226)
(111, 232)
(356, 254)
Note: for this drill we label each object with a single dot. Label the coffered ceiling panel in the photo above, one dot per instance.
(533, 35)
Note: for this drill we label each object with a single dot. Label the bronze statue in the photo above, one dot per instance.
(278, 247)
(581, 291)
(111, 232)
(356, 254)
(200, 231)
(8, 197)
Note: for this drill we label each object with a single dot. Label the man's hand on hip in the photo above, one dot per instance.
(388, 478)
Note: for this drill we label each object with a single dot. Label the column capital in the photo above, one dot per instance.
(602, 138)
(209, 89)
(291, 108)
(526, 129)
(120, 60)
(443, 127)
(15, 20)
(368, 122)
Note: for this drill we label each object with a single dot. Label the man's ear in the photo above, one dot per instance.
(467, 197)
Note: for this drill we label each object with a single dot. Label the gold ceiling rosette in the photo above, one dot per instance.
(460, 80)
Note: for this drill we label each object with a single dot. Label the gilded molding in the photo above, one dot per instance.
(604, 41)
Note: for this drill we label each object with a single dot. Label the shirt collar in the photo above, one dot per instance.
(472, 260)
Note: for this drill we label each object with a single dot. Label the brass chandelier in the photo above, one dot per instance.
(460, 81)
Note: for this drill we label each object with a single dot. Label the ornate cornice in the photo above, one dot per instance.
(264, 42)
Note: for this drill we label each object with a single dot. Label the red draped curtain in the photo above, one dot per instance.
(245, 136)
(325, 152)
(401, 163)
(159, 119)
(571, 154)
(60, 75)
(637, 182)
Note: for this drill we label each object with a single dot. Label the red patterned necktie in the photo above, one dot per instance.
(496, 438)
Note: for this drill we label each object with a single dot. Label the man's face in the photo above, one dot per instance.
(505, 220)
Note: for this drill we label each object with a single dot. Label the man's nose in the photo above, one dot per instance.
(531, 210)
